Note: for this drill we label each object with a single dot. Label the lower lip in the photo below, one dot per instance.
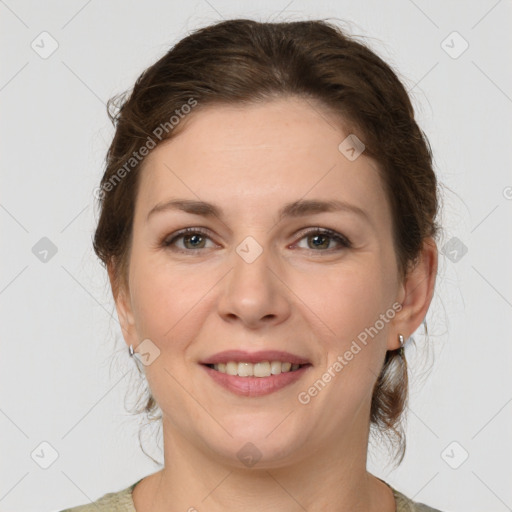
(256, 386)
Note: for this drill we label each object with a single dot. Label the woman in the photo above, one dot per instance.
(268, 222)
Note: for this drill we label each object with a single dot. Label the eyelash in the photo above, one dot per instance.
(342, 240)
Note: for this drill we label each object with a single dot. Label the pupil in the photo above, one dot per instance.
(194, 238)
(316, 237)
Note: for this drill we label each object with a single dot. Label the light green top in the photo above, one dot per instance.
(122, 501)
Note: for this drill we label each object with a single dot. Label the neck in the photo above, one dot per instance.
(329, 476)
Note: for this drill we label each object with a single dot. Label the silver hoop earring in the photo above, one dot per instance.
(131, 351)
(401, 340)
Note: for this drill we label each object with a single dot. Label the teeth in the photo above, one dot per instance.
(231, 368)
(262, 369)
(275, 367)
(245, 369)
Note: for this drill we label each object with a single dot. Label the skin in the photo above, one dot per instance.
(296, 297)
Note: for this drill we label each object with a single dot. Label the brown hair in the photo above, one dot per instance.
(244, 61)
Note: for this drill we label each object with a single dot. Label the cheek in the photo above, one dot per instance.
(351, 334)
(165, 299)
(356, 311)
(350, 299)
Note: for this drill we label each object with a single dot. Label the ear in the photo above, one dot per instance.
(123, 305)
(415, 294)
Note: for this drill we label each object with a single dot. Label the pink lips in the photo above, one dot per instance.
(255, 386)
(254, 357)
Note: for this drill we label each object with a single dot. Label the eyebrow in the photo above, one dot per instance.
(298, 208)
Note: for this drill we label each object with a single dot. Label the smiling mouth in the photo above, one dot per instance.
(261, 369)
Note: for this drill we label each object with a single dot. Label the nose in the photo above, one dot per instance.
(254, 293)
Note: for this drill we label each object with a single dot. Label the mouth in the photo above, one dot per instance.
(253, 374)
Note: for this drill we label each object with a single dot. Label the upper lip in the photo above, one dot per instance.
(254, 357)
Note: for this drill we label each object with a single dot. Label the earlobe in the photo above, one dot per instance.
(416, 293)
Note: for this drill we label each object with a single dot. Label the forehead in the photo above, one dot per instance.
(259, 154)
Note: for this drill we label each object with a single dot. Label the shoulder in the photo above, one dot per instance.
(119, 501)
(405, 504)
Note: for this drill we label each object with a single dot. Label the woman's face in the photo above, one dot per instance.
(254, 280)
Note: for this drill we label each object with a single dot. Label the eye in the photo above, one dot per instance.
(196, 238)
(321, 238)
(193, 238)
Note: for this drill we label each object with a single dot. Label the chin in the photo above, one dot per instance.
(259, 444)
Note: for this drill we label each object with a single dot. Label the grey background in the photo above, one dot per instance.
(64, 368)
